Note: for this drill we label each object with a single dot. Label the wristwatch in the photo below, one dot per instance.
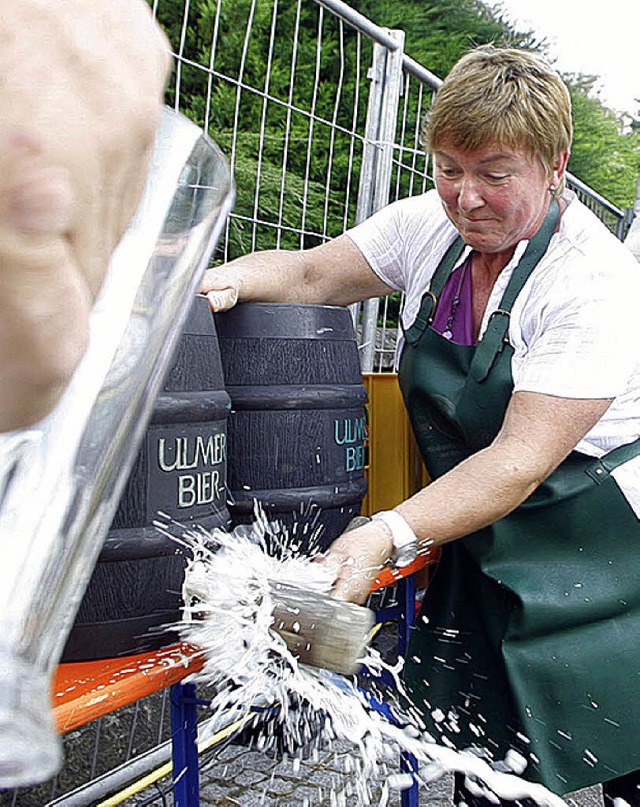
(403, 538)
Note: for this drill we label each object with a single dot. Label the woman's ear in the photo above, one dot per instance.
(559, 169)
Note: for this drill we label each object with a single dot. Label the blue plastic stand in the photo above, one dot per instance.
(184, 734)
(402, 612)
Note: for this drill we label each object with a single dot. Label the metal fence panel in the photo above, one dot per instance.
(310, 164)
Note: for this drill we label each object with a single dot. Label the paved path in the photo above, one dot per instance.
(250, 779)
(241, 777)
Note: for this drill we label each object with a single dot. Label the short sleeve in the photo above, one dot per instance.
(579, 332)
(399, 242)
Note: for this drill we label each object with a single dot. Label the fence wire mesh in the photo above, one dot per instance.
(320, 113)
(287, 109)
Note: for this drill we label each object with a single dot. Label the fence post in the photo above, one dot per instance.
(377, 161)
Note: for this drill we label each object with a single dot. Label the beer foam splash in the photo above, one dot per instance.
(294, 709)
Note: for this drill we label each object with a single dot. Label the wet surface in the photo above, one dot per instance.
(249, 778)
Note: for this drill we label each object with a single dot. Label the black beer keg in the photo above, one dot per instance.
(297, 428)
(179, 478)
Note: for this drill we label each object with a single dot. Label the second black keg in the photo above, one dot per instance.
(297, 429)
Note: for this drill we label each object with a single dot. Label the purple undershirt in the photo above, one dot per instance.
(462, 325)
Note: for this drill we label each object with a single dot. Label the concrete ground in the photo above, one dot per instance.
(241, 777)
(250, 779)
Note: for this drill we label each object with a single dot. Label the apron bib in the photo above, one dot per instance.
(529, 635)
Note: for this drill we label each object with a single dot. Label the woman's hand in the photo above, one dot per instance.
(357, 557)
(222, 288)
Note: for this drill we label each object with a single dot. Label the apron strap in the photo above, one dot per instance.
(429, 301)
(496, 334)
(601, 468)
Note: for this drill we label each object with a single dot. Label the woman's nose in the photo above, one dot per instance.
(469, 194)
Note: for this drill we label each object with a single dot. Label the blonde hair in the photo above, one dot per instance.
(503, 95)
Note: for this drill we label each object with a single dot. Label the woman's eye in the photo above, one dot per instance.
(497, 177)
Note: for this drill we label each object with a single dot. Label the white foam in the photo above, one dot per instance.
(228, 614)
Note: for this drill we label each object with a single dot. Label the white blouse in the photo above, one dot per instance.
(573, 326)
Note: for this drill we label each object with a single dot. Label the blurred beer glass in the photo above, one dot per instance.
(60, 481)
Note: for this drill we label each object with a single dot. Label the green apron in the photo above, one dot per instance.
(529, 635)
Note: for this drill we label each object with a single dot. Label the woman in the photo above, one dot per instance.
(521, 378)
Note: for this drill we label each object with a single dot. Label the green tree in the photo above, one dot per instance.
(438, 32)
(604, 155)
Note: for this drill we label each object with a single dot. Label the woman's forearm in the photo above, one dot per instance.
(335, 273)
(476, 493)
(538, 433)
(268, 276)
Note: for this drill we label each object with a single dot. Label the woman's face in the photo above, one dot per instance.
(495, 195)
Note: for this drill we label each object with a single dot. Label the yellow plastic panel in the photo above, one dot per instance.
(394, 471)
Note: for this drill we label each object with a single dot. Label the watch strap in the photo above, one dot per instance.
(403, 538)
